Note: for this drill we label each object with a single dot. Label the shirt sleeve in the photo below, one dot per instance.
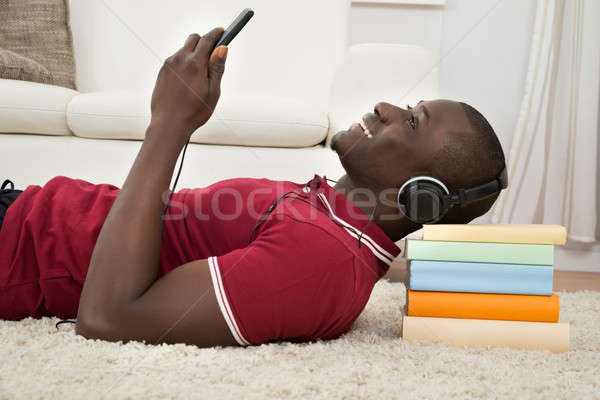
(295, 281)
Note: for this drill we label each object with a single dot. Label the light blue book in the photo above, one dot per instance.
(471, 277)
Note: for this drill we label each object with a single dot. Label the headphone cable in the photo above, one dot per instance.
(368, 223)
(74, 321)
(65, 321)
(297, 196)
(176, 180)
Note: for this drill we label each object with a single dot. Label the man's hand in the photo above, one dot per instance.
(188, 86)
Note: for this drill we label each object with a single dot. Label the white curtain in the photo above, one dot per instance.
(552, 163)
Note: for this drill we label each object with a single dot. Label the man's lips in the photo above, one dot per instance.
(370, 122)
(359, 128)
(367, 127)
(355, 130)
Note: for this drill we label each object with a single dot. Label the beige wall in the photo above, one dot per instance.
(483, 47)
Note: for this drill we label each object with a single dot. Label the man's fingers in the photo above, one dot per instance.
(207, 43)
(191, 42)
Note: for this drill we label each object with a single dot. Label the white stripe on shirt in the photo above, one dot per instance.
(215, 274)
(377, 250)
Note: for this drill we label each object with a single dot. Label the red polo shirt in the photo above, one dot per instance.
(298, 275)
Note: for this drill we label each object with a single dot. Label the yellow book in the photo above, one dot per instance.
(497, 233)
(494, 333)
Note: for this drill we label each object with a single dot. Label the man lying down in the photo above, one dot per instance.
(299, 260)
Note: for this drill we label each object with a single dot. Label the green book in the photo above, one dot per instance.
(506, 253)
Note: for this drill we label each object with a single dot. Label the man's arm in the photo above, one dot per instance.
(122, 298)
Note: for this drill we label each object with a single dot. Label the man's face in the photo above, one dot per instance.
(402, 144)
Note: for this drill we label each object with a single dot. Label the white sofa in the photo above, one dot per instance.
(290, 84)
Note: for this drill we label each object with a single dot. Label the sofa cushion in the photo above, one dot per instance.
(33, 160)
(29, 107)
(248, 120)
(15, 66)
(39, 29)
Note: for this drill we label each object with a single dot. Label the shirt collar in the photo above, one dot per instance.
(354, 220)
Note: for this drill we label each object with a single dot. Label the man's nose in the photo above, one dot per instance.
(382, 109)
(386, 110)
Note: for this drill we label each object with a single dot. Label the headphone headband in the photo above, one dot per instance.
(466, 196)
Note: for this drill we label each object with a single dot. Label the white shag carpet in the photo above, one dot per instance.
(371, 361)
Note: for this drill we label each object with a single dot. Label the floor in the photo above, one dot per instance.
(570, 281)
(372, 361)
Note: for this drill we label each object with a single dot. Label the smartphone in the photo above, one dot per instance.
(235, 27)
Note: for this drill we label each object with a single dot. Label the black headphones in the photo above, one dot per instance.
(425, 199)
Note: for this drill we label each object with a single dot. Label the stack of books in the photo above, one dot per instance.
(485, 285)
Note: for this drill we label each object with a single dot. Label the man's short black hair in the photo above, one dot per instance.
(491, 146)
(469, 159)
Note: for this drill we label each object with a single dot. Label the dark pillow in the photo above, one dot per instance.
(39, 30)
(14, 66)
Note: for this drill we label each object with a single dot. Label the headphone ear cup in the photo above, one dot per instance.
(423, 202)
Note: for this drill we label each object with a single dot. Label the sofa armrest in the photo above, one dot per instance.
(31, 107)
(374, 72)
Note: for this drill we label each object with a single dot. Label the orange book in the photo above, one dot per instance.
(514, 307)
